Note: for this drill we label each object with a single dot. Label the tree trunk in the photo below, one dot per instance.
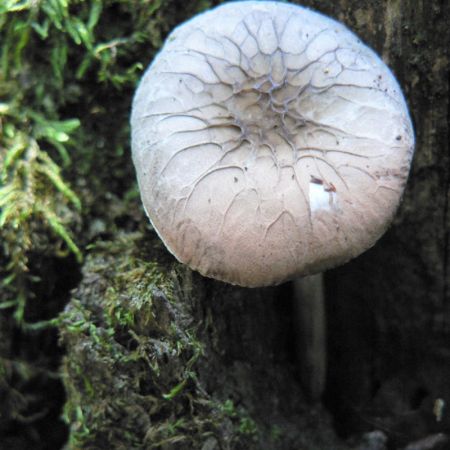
(389, 310)
(159, 357)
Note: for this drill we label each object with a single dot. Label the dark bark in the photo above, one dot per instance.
(388, 311)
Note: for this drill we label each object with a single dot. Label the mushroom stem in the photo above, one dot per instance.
(309, 308)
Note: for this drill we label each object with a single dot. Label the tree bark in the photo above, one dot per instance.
(387, 311)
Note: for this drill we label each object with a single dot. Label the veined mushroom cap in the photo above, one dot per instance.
(269, 143)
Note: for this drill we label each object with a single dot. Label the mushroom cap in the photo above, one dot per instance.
(269, 143)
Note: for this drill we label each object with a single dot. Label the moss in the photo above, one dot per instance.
(156, 358)
(64, 67)
(67, 73)
(148, 365)
(133, 352)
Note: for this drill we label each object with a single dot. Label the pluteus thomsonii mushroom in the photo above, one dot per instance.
(269, 143)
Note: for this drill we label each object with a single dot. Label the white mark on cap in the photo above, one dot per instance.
(321, 196)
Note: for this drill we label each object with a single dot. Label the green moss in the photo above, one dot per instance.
(133, 349)
(134, 345)
(68, 70)
(35, 200)
(244, 423)
(64, 67)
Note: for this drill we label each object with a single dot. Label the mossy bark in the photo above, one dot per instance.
(159, 357)
(200, 364)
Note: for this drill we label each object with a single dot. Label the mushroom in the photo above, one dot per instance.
(269, 143)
